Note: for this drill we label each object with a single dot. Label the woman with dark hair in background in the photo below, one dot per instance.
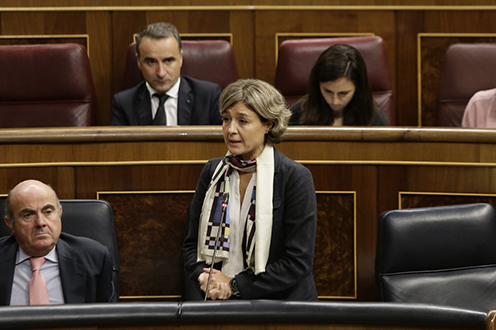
(339, 92)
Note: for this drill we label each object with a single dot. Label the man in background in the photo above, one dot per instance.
(39, 264)
(165, 97)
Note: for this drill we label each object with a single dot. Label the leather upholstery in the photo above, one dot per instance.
(91, 218)
(297, 57)
(210, 60)
(46, 85)
(468, 69)
(232, 313)
(438, 255)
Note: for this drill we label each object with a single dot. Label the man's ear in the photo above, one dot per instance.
(9, 224)
(60, 211)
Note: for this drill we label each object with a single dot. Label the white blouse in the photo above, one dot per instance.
(237, 217)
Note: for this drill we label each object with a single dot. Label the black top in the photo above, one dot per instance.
(379, 118)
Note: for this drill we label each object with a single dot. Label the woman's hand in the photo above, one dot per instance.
(219, 284)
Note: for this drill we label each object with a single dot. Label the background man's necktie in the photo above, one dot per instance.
(160, 117)
(38, 293)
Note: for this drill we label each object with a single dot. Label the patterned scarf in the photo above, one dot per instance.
(215, 211)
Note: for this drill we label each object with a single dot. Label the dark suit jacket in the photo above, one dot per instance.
(289, 271)
(198, 104)
(379, 119)
(86, 269)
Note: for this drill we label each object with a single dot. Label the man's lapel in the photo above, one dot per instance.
(184, 103)
(72, 274)
(7, 267)
(143, 106)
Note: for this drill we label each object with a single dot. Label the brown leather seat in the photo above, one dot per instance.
(468, 69)
(46, 86)
(297, 57)
(210, 60)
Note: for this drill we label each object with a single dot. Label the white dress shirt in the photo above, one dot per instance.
(170, 103)
(237, 223)
(22, 277)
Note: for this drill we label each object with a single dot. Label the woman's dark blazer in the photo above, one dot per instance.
(289, 271)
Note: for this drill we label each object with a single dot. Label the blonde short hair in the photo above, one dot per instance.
(264, 99)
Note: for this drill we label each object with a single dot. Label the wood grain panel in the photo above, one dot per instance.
(361, 180)
(21, 23)
(81, 39)
(94, 179)
(364, 180)
(124, 25)
(157, 151)
(413, 200)
(244, 3)
(407, 152)
(334, 262)
(150, 208)
(393, 179)
(409, 24)
(150, 230)
(62, 179)
(65, 22)
(435, 182)
(99, 29)
(452, 179)
(242, 25)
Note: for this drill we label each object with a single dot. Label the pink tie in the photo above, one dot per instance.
(38, 294)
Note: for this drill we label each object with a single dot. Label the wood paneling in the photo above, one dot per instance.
(138, 178)
(254, 29)
(149, 174)
(412, 199)
(150, 229)
(62, 178)
(100, 30)
(261, 3)
(409, 24)
(334, 262)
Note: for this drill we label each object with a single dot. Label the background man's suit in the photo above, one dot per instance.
(86, 269)
(198, 104)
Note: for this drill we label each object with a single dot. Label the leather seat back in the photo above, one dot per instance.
(46, 85)
(438, 255)
(296, 59)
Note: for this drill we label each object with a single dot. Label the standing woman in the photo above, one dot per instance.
(266, 247)
(338, 93)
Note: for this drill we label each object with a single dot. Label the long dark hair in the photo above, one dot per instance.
(338, 61)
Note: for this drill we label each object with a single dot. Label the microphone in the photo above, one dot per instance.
(225, 200)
